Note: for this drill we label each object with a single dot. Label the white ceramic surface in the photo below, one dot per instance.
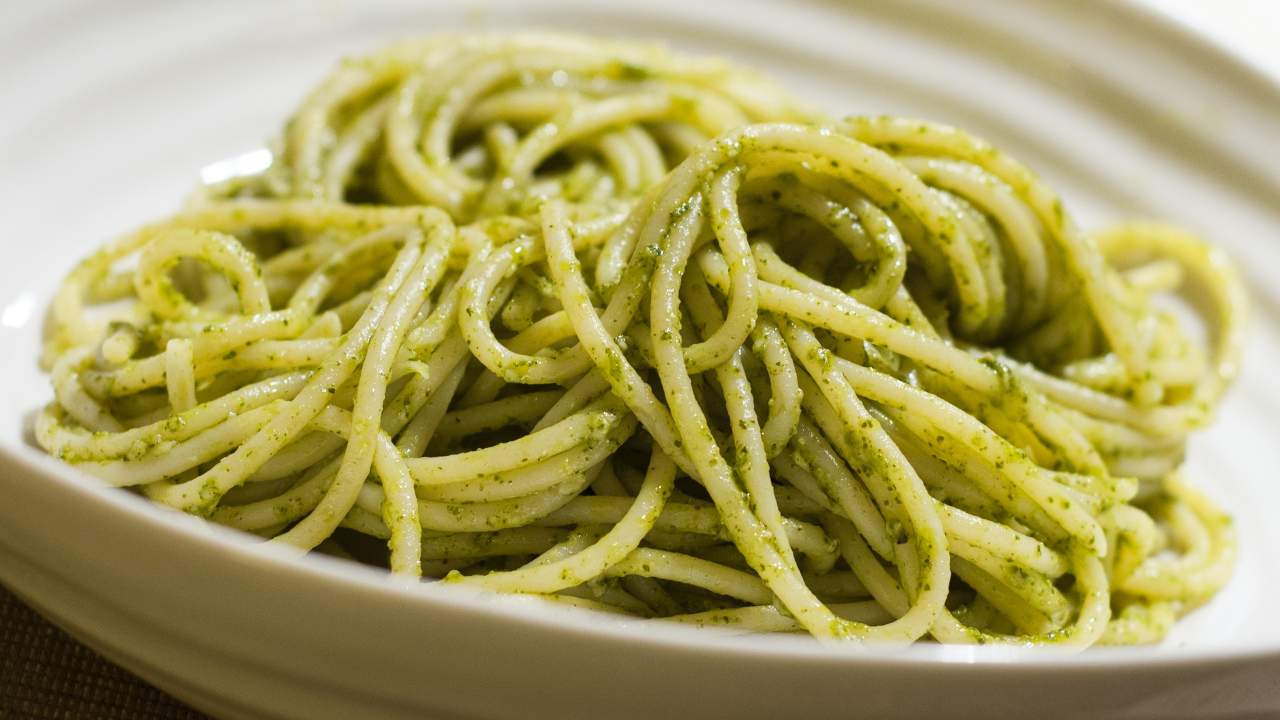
(111, 109)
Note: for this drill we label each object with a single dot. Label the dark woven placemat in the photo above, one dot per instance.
(47, 675)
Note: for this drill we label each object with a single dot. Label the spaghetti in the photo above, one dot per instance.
(639, 333)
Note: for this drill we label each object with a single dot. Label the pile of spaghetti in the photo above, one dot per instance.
(637, 332)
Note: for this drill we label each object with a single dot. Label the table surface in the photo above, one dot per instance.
(47, 675)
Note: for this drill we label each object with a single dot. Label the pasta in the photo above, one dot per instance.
(640, 333)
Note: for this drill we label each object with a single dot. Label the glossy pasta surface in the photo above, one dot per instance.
(640, 333)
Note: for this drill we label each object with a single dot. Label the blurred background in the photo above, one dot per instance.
(1248, 27)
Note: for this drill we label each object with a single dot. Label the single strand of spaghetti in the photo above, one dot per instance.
(120, 345)
(593, 561)
(171, 459)
(500, 141)
(371, 390)
(741, 313)
(865, 441)
(623, 162)
(532, 478)
(647, 562)
(398, 510)
(766, 552)
(577, 429)
(1001, 541)
(224, 253)
(619, 247)
(180, 380)
(286, 507)
(72, 326)
(752, 463)
(314, 216)
(472, 517)
(415, 437)
(586, 389)
(518, 313)
(786, 467)
(58, 439)
(596, 341)
(840, 485)
(522, 409)
(297, 456)
(268, 355)
(426, 379)
(400, 513)
(784, 388)
(521, 106)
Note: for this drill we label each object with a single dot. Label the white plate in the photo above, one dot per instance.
(111, 109)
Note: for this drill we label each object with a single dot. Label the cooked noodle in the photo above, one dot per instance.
(640, 333)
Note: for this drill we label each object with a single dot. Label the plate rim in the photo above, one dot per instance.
(33, 464)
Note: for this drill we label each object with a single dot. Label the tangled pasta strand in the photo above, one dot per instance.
(638, 333)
